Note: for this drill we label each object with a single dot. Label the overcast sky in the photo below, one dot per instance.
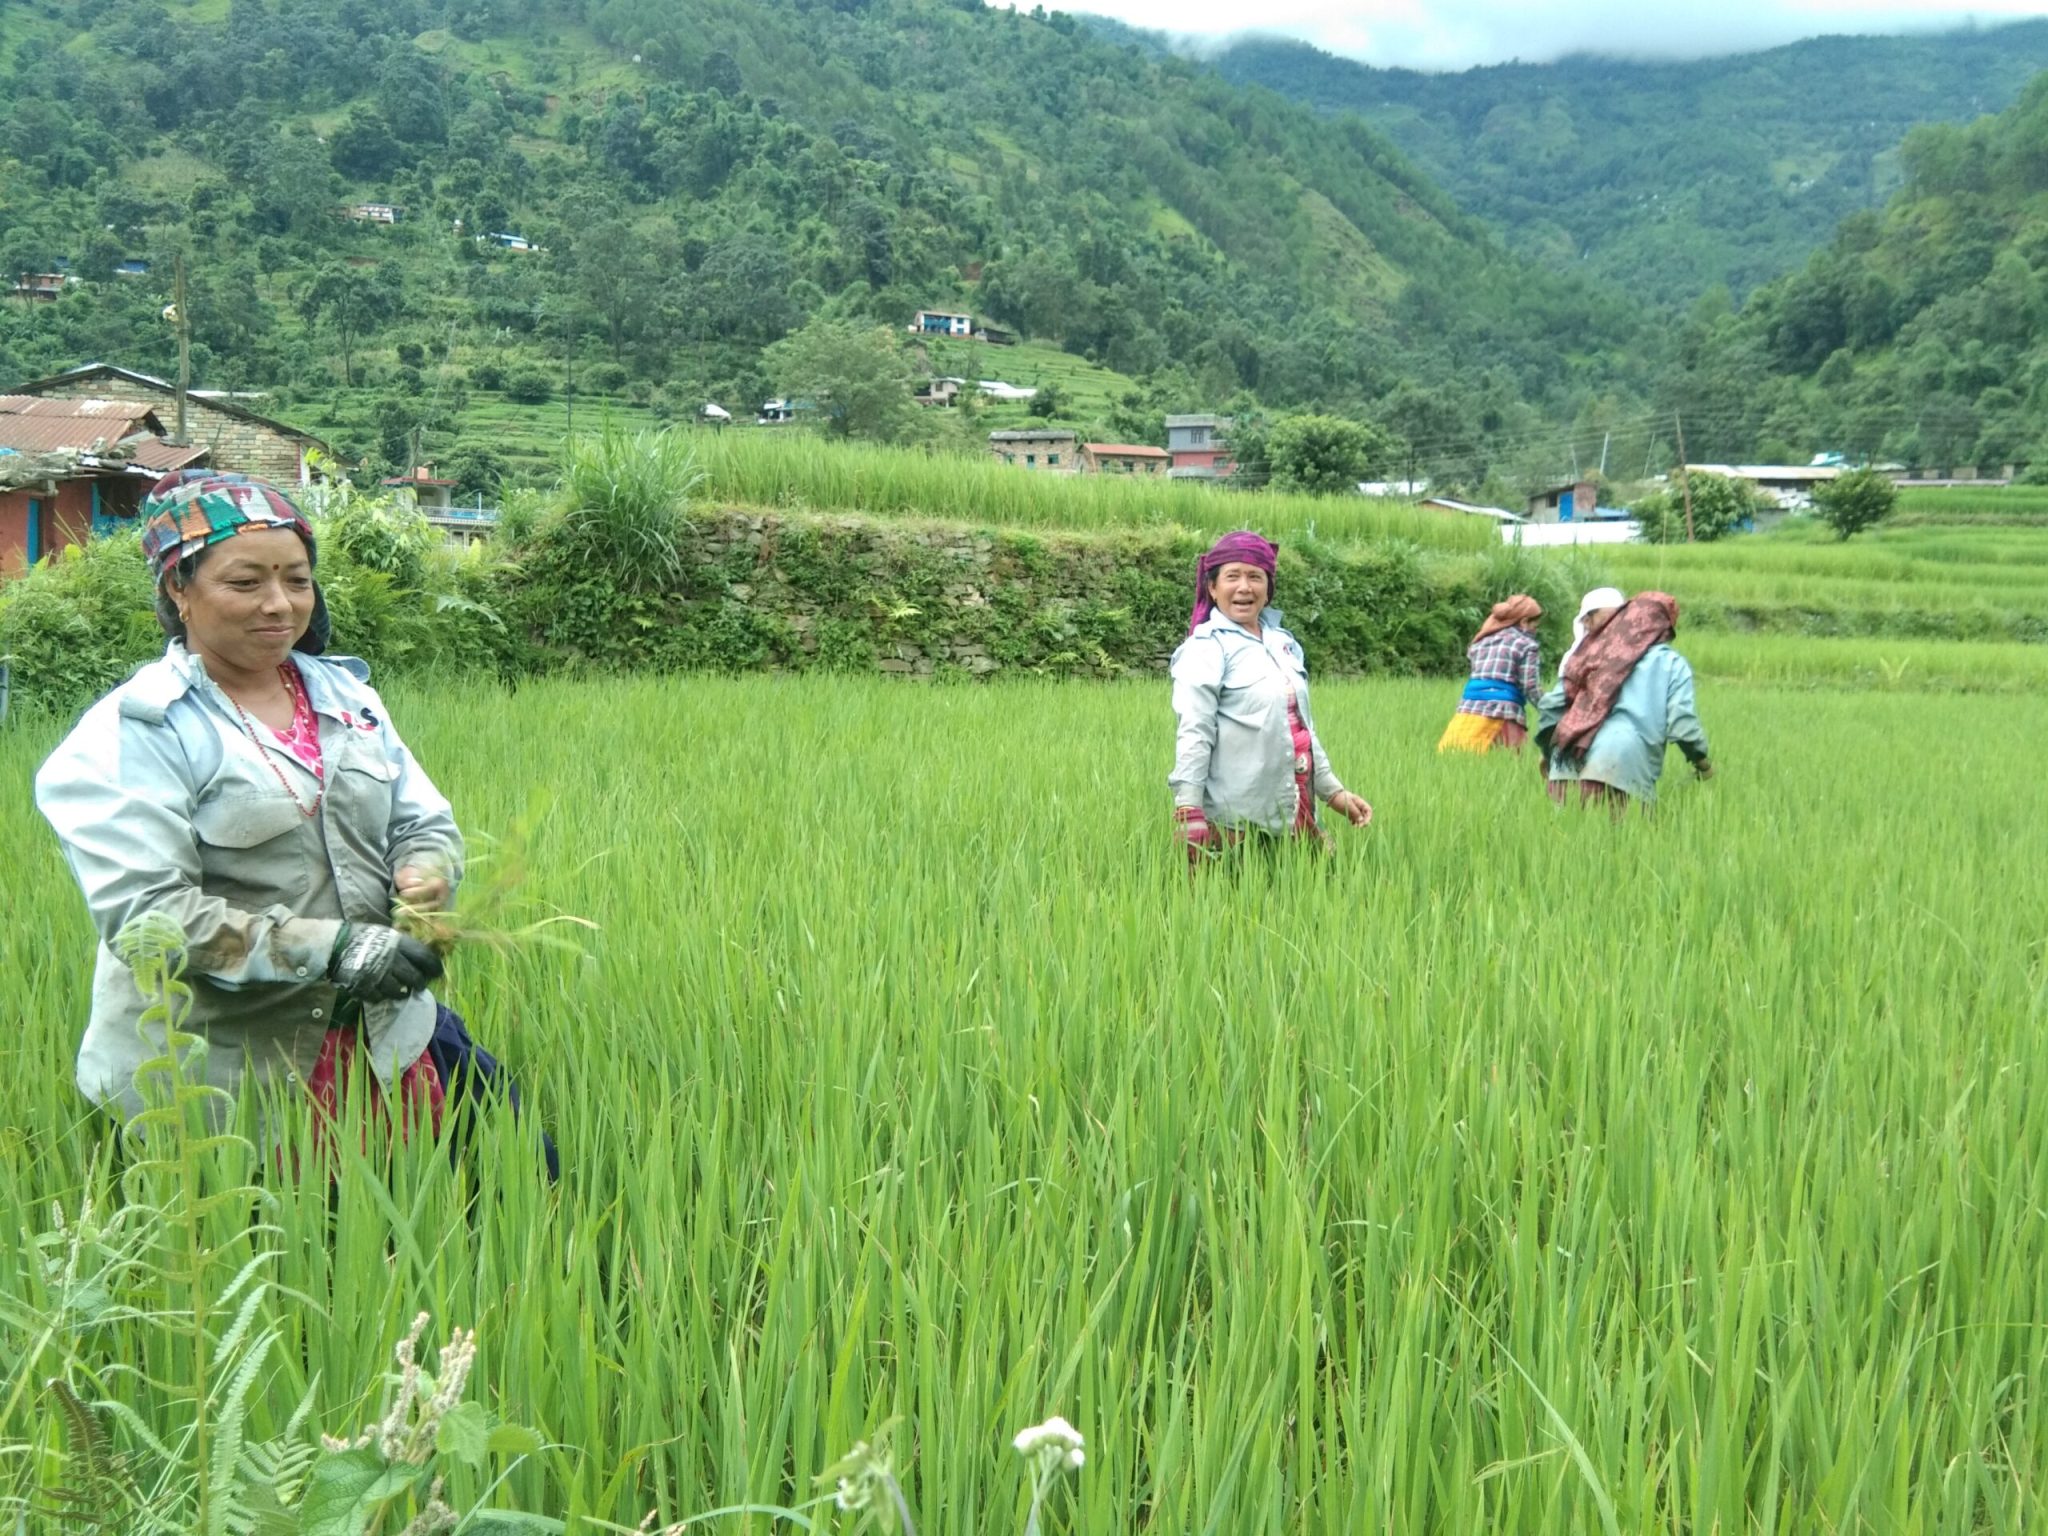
(1454, 34)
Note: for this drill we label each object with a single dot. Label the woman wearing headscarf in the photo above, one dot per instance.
(1506, 677)
(253, 796)
(1621, 700)
(1246, 758)
(1595, 609)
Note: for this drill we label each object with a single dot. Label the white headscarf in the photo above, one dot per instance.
(1592, 602)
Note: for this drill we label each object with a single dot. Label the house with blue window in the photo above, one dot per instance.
(941, 322)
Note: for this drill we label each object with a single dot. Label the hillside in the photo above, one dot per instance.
(702, 184)
(1919, 332)
(1668, 179)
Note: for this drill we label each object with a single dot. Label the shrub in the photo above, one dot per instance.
(529, 386)
(608, 378)
(76, 625)
(1860, 499)
(1720, 506)
(488, 375)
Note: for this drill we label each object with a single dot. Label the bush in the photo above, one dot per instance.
(1860, 499)
(529, 386)
(1720, 506)
(488, 376)
(76, 625)
(608, 378)
(379, 533)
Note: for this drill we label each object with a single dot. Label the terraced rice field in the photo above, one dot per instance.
(1507, 1170)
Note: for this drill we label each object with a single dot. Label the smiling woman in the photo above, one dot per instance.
(254, 794)
(1246, 758)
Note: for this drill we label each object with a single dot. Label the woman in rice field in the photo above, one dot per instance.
(1247, 762)
(251, 796)
(1623, 696)
(1506, 661)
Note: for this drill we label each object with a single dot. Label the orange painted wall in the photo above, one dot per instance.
(66, 519)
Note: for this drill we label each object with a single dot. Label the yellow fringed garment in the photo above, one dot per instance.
(1470, 733)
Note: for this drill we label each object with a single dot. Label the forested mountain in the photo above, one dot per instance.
(702, 179)
(1919, 332)
(1669, 178)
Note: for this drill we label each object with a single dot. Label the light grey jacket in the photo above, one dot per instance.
(1234, 756)
(165, 804)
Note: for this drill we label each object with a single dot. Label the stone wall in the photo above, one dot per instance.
(787, 591)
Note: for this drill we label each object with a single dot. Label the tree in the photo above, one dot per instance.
(355, 303)
(857, 377)
(1850, 503)
(1720, 505)
(1323, 455)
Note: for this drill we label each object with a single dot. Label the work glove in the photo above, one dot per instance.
(1195, 832)
(375, 964)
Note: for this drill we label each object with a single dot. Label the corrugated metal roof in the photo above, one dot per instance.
(154, 453)
(95, 410)
(33, 433)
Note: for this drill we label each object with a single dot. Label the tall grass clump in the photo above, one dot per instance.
(623, 504)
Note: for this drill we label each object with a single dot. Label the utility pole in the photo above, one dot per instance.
(1684, 479)
(1603, 450)
(184, 347)
(569, 370)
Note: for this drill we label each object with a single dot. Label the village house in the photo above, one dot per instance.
(1198, 447)
(235, 438)
(961, 327)
(1576, 502)
(1041, 448)
(422, 490)
(71, 470)
(939, 322)
(1122, 459)
(376, 213)
(1789, 485)
(942, 392)
(30, 287)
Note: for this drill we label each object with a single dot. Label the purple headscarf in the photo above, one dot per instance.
(1241, 548)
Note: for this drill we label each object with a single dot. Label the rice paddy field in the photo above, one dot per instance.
(1507, 1170)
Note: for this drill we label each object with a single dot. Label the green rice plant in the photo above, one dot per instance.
(799, 470)
(1509, 1169)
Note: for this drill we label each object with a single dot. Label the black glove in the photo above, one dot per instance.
(376, 964)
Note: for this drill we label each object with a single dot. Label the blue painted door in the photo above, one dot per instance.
(1564, 506)
(35, 530)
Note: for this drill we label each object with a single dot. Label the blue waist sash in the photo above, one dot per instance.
(1486, 690)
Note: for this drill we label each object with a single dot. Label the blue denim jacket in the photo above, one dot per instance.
(1234, 755)
(165, 803)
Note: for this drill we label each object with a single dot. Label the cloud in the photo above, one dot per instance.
(1456, 34)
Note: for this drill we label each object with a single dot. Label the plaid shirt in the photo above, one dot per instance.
(1505, 656)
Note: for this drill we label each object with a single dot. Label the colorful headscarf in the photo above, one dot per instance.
(1594, 676)
(191, 510)
(1517, 612)
(1241, 548)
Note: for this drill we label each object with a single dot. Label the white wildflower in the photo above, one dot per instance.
(1054, 1435)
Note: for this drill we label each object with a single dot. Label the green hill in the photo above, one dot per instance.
(1668, 178)
(700, 181)
(1919, 332)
